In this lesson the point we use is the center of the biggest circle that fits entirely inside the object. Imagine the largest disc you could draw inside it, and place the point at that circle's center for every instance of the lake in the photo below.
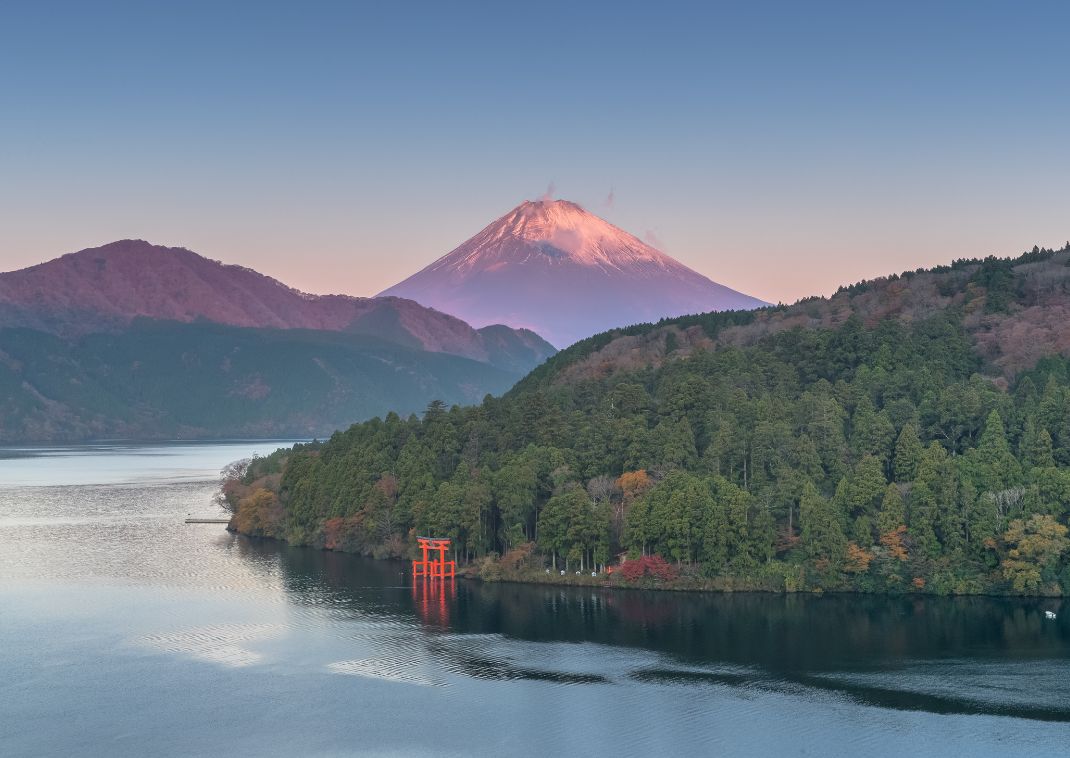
(125, 632)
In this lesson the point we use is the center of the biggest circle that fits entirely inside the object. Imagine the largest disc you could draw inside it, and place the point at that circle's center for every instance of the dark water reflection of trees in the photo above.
(781, 633)
(870, 649)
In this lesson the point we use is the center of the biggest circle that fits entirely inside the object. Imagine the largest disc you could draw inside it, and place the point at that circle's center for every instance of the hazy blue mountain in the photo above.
(172, 380)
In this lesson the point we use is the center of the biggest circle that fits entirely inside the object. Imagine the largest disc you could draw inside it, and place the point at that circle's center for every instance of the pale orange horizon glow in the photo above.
(365, 256)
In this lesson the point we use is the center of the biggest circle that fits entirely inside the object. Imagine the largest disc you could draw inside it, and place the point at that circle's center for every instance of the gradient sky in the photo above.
(779, 148)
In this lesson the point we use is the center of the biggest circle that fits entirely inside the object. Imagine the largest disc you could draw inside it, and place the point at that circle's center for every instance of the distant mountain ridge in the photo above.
(133, 340)
(553, 267)
(107, 287)
(170, 380)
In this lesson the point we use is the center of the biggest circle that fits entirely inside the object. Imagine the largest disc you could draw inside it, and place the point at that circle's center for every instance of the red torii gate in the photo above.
(438, 568)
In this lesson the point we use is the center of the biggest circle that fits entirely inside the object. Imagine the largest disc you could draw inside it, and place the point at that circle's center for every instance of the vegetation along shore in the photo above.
(907, 434)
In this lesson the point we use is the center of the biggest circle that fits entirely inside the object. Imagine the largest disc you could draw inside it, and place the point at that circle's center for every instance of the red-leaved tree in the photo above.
(648, 565)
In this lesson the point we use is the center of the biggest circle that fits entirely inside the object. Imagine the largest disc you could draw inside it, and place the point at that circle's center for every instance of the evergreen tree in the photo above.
(996, 467)
(922, 518)
(675, 444)
(715, 533)
(982, 521)
(822, 528)
(892, 514)
(1036, 447)
(936, 486)
(872, 433)
(908, 452)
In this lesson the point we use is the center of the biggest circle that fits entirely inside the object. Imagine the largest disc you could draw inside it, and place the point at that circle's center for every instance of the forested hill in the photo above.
(163, 379)
(907, 434)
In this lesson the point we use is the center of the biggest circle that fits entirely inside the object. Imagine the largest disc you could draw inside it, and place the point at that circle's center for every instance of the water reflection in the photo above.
(433, 599)
(941, 655)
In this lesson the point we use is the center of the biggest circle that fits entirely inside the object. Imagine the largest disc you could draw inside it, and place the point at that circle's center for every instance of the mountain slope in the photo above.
(909, 434)
(1014, 312)
(554, 268)
(105, 288)
(198, 381)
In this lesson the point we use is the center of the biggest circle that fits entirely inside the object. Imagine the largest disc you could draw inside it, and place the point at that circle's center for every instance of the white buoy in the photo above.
(1049, 614)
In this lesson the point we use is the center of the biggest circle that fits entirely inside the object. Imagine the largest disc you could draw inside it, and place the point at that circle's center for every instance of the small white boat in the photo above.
(1049, 614)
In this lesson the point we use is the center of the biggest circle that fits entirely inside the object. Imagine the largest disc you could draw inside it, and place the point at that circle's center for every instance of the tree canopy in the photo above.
(886, 454)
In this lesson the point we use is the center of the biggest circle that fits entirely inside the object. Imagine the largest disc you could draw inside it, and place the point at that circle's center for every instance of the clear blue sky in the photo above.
(780, 148)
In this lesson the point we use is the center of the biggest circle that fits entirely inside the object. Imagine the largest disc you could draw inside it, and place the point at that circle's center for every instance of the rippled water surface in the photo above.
(124, 631)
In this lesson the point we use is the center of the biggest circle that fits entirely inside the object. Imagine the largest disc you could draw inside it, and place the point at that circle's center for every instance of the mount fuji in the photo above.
(554, 268)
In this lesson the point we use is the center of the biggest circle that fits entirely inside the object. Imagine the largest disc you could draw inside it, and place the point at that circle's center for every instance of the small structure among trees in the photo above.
(430, 565)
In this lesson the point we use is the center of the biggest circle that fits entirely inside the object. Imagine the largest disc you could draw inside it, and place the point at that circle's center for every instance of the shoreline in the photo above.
(715, 586)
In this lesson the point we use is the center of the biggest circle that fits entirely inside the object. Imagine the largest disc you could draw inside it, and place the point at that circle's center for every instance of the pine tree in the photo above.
(982, 520)
(922, 518)
(908, 452)
(892, 514)
(822, 528)
(1036, 447)
(715, 531)
(938, 480)
(675, 443)
(997, 468)
(872, 432)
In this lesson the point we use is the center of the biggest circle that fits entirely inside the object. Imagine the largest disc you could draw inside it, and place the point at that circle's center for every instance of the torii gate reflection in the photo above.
(436, 581)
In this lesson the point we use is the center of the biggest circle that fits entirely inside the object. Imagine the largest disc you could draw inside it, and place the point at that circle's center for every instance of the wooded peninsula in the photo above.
(907, 434)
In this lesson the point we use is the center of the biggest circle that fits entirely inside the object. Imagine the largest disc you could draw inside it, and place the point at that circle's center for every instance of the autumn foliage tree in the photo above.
(1033, 549)
(858, 559)
(259, 514)
(894, 542)
(653, 566)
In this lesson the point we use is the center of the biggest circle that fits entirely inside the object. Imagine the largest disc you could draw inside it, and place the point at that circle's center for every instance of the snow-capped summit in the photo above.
(560, 231)
(555, 268)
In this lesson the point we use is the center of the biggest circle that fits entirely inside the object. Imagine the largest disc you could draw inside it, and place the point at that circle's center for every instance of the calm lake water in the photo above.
(124, 631)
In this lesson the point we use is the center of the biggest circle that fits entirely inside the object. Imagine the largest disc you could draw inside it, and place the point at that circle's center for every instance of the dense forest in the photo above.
(908, 434)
